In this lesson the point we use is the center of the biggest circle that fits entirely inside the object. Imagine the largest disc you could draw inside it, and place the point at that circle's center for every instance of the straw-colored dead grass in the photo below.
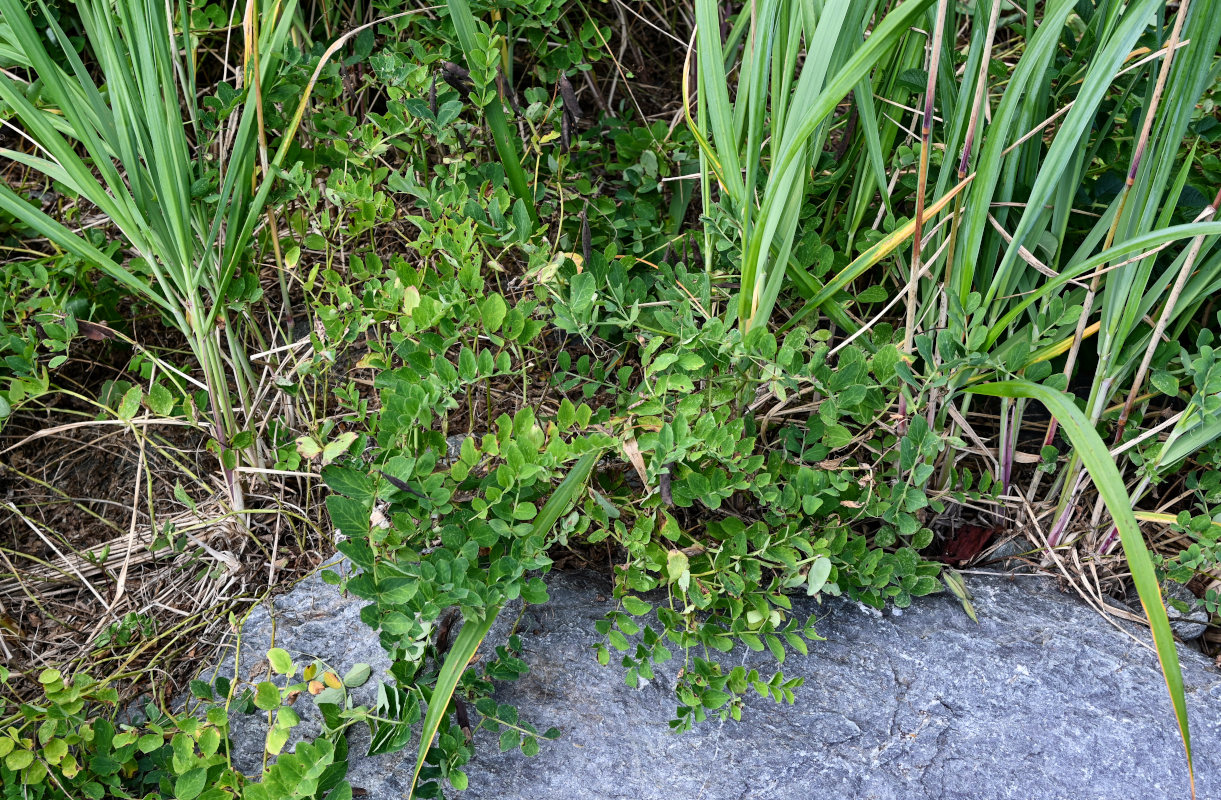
(104, 568)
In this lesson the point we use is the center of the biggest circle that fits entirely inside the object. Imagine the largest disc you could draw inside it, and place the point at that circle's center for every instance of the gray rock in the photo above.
(314, 621)
(1193, 623)
(1042, 699)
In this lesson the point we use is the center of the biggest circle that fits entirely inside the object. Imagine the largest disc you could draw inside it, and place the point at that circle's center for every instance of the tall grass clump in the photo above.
(760, 146)
(1023, 258)
(130, 145)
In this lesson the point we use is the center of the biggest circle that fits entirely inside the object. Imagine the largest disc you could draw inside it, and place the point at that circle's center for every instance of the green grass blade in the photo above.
(1029, 71)
(817, 97)
(1068, 142)
(1146, 241)
(714, 85)
(871, 257)
(1106, 477)
(475, 629)
(57, 85)
(1196, 429)
(565, 494)
(456, 661)
(10, 203)
(874, 161)
(75, 173)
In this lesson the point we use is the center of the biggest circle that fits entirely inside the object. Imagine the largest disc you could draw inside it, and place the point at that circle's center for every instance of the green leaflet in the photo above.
(493, 112)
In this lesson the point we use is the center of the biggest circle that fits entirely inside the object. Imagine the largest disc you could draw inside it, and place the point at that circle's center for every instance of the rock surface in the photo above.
(1042, 699)
(1193, 623)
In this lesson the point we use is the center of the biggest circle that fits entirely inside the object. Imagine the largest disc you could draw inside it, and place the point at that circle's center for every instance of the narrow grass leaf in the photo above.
(476, 628)
(1106, 477)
